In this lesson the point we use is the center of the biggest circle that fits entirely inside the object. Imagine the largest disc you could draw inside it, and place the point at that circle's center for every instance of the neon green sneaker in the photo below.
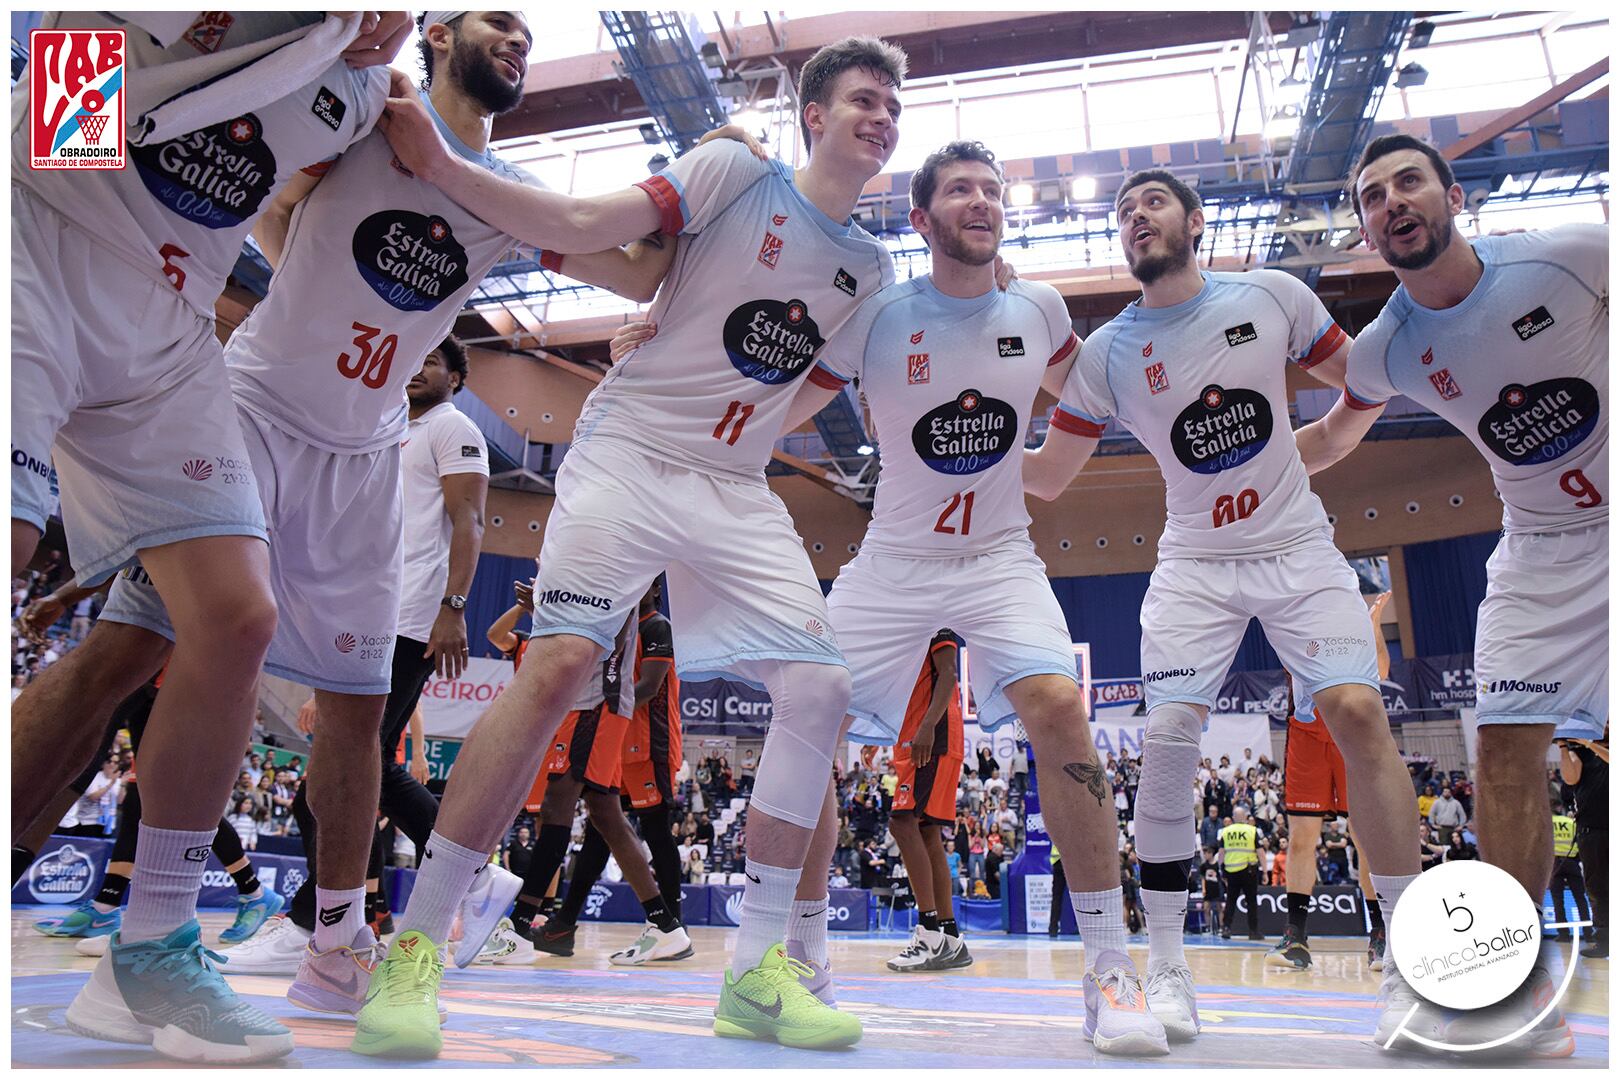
(769, 1002)
(400, 1018)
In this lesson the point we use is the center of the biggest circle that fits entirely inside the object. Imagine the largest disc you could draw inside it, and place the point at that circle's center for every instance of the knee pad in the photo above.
(808, 702)
(1165, 827)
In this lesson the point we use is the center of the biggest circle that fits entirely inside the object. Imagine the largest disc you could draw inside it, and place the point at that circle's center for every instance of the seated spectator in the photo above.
(1460, 850)
(241, 819)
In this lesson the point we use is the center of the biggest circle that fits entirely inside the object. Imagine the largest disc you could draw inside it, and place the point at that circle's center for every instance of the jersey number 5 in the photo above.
(1586, 493)
(966, 503)
(371, 366)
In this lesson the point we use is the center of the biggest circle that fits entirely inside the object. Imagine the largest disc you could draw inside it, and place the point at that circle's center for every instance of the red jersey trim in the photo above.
(1325, 346)
(1356, 403)
(668, 201)
(825, 379)
(1065, 349)
(1077, 425)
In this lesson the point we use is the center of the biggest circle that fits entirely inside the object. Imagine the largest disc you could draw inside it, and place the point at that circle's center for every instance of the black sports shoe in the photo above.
(1598, 950)
(1289, 953)
(556, 938)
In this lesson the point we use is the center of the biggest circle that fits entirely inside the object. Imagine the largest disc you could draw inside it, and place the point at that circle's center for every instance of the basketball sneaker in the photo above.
(819, 982)
(82, 921)
(922, 952)
(954, 955)
(251, 914)
(1395, 999)
(1549, 1038)
(1118, 1020)
(487, 902)
(1377, 942)
(277, 950)
(1290, 953)
(1173, 1000)
(169, 994)
(335, 981)
(555, 937)
(506, 946)
(770, 1002)
(655, 944)
(400, 1018)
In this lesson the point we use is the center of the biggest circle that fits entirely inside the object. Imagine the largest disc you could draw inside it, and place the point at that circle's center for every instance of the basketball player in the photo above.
(928, 765)
(132, 404)
(949, 538)
(1314, 785)
(1507, 338)
(1195, 370)
(667, 471)
(445, 477)
(650, 758)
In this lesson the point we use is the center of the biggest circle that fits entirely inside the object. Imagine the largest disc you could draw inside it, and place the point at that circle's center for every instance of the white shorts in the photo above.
(741, 587)
(335, 562)
(1308, 604)
(1541, 646)
(124, 386)
(887, 608)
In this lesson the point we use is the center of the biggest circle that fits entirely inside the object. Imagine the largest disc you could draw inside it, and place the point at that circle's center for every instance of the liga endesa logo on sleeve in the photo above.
(76, 99)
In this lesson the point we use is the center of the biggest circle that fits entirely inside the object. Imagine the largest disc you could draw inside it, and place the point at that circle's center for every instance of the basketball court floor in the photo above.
(1019, 1006)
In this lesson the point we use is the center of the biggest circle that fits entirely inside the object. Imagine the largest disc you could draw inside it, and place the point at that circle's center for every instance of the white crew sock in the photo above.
(767, 899)
(163, 887)
(807, 924)
(1101, 916)
(442, 881)
(1388, 890)
(1167, 924)
(339, 915)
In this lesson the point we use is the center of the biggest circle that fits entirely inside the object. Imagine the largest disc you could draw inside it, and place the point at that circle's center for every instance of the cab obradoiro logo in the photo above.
(1222, 429)
(413, 261)
(966, 435)
(770, 340)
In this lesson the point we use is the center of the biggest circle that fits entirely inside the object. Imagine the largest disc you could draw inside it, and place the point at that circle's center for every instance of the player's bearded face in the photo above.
(1411, 221)
(474, 68)
(966, 215)
(1171, 250)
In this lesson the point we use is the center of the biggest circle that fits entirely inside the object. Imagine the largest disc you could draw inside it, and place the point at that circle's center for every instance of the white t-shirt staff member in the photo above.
(444, 466)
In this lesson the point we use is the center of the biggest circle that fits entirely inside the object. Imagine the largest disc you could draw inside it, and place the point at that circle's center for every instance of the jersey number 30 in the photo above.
(372, 365)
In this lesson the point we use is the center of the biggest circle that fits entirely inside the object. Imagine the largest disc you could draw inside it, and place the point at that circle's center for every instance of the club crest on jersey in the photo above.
(208, 31)
(771, 341)
(1241, 334)
(967, 434)
(1445, 384)
(1221, 430)
(1158, 382)
(844, 281)
(216, 177)
(1009, 346)
(916, 369)
(779, 220)
(329, 107)
(1528, 326)
(76, 99)
(1540, 422)
(916, 339)
(1147, 350)
(1428, 356)
(770, 250)
(413, 261)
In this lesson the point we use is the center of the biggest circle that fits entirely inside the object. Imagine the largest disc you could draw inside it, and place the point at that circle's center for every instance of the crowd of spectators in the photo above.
(31, 653)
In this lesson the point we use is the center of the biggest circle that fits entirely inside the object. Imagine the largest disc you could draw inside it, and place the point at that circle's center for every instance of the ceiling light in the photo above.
(1084, 188)
(1413, 74)
(1021, 195)
(865, 450)
(1292, 90)
(1421, 33)
(750, 120)
(1284, 123)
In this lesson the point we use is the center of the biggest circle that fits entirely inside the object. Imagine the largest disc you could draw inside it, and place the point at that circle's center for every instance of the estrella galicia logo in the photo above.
(1541, 422)
(967, 435)
(413, 261)
(216, 177)
(1222, 429)
(1528, 326)
(771, 341)
(62, 877)
(1009, 346)
(1241, 334)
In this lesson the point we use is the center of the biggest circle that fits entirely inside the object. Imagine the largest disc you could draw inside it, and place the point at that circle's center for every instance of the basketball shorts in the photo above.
(741, 587)
(335, 563)
(1541, 646)
(120, 384)
(1308, 603)
(887, 608)
(931, 790)
(1313, 771)
(652, 757)
(588, 747)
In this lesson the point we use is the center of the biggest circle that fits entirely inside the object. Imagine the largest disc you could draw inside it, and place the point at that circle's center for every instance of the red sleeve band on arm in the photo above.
(1077, 425)
(668, 201)
(1324, 347)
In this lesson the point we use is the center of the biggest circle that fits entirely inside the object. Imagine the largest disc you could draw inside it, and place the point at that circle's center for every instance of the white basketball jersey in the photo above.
(376, 267)
(181, 209)
(763, 280)
(950, 384)
(1201, 384)
(1521, 367)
